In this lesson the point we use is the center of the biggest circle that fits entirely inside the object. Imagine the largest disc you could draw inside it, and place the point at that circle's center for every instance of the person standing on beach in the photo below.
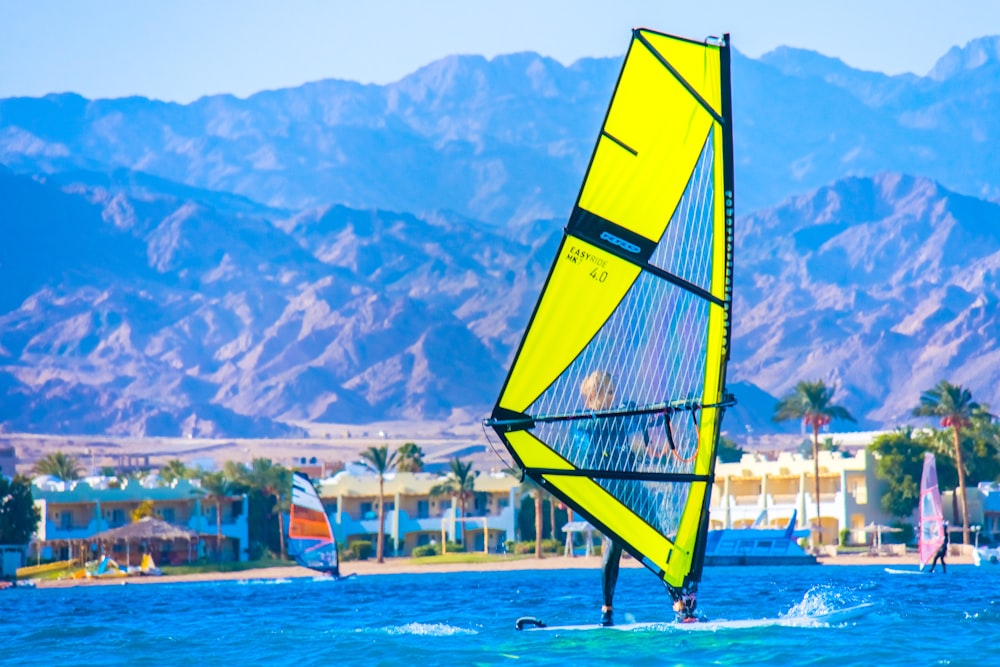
(941, 552)
(606, 438)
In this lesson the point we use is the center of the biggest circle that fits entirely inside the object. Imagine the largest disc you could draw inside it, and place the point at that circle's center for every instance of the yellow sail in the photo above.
(614, 399)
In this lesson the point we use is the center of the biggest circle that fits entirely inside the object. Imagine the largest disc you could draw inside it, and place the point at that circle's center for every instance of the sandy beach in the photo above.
(411, 566)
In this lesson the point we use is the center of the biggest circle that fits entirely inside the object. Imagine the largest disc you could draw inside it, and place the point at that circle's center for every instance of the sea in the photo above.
(468, 618)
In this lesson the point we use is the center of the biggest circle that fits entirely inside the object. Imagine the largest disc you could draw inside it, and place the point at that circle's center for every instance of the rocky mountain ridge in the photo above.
(509, 138)
(234, 267)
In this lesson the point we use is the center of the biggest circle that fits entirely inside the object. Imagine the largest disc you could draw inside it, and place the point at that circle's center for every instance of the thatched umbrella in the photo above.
(147, 528)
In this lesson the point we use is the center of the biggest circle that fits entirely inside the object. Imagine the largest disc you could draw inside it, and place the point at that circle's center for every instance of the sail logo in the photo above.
(620, 242)
(575, 255)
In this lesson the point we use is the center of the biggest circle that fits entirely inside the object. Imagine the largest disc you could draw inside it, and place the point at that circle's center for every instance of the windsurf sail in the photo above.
(614, 398)
(931, 517)
(310, 537)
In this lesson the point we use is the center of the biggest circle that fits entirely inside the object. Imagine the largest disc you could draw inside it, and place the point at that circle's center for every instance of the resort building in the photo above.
(760, 489)
(983, 502)
(769, 490)
(414, 516)
(766, 490)
(75, 512)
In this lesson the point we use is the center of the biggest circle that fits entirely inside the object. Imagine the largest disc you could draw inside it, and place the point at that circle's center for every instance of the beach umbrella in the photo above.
(878, 529)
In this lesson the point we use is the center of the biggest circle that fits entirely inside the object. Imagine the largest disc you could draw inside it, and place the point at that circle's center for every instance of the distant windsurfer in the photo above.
(942, 551)
(606, 438)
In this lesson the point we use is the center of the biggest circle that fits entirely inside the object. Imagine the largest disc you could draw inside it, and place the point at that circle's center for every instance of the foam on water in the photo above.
(428, 630)
(822, 599)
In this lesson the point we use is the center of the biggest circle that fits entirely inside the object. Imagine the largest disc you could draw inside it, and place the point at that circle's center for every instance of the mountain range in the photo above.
(349, 253)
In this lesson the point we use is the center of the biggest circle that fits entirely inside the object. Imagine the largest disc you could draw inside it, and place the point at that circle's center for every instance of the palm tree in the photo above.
(174, 469)
(411, 458)
(65, 467)
(536, 492)
(144, 509)
(956, 409)
(529, 485)
(460, 484)
(273, 480)
(218, 487)
(812, 402)
(380, 461)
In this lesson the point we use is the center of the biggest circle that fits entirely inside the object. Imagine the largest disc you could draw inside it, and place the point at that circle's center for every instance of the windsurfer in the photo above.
(606, 437)
(941, 552)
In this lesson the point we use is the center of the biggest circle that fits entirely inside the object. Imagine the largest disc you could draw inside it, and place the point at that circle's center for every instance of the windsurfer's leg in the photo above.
(611, 556)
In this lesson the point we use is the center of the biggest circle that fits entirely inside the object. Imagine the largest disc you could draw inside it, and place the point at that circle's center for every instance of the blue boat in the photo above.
(757, 546)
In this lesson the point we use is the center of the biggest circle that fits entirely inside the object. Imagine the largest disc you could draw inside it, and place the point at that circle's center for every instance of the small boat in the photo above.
(146, 568)
(310, 537)
(758, 545)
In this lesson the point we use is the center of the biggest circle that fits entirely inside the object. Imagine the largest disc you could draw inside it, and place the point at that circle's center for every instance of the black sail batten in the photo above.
(628, 246)
(694, 93)
(508, 420)
(611, 474)
(620, 143)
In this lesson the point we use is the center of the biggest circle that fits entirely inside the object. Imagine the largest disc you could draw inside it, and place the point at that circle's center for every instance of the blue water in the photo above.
(468, 619)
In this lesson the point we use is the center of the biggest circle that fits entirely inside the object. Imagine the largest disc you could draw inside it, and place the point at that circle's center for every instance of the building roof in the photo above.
(147, 528)
(346, 483)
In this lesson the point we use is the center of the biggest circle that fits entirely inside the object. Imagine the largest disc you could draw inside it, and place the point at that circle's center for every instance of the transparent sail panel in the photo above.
(318, 555)
(653, 346)
(651, 352)
(685, 249)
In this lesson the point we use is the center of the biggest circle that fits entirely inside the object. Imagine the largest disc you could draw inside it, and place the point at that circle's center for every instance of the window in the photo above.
(856, 487)
(168, 514)
(66, 520)
(237, 508)
(423, 509)
(118, 517)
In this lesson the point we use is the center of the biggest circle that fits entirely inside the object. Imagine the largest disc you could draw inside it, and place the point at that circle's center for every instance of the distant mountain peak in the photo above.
(975, 54)
(803, 62)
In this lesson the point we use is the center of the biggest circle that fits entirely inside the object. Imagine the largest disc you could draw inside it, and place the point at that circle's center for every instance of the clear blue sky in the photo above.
(179, 50)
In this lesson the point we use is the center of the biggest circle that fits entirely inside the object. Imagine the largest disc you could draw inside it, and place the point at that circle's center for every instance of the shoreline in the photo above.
(409, 566)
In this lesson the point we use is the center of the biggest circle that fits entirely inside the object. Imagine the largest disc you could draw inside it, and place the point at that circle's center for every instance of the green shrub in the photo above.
(361, 549)
(426, 550)
(548, 546)
(845, 534)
